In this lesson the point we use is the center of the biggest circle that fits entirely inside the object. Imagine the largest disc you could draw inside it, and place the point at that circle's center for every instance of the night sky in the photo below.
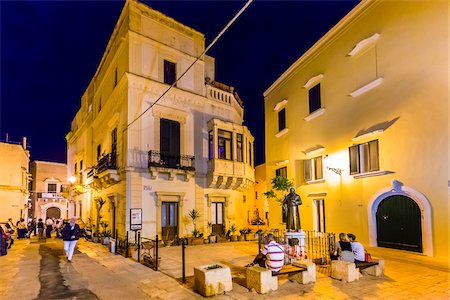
(51, 49)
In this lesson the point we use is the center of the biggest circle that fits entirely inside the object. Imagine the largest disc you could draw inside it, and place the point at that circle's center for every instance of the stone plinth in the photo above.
(307, 276)
(261, 280)
(343, 270)
(210, 282)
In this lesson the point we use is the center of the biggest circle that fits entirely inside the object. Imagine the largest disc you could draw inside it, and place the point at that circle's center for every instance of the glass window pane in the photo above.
(172, 214)
(211, 145)
(282, 119)
(314, 98)
(220, 213)
(164, 215)
(213, 213)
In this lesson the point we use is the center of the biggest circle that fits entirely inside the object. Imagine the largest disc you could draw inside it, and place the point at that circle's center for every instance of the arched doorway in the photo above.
(53, 212)
(399, 224)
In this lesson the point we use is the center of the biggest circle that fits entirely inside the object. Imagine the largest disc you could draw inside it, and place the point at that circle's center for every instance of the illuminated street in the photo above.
(96, 274)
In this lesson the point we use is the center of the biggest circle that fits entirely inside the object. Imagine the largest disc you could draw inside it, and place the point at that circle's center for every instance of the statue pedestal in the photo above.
(296, 245)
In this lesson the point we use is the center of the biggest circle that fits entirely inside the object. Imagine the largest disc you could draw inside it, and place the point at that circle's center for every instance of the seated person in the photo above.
(271, 256)
(342, 249)
(357, 248)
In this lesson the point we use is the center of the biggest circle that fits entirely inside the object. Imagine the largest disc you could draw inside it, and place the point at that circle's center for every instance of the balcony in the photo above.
(105, 173)
(170, 164)
(228, 174)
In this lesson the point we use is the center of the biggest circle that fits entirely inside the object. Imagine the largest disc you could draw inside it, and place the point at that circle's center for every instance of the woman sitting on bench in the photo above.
(342, 249)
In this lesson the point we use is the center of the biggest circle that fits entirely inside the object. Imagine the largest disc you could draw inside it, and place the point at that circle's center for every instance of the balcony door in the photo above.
(217, 214)
(170, 143)
(169, 220)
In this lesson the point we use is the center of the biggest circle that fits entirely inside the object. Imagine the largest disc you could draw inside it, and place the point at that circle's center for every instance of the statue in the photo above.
(290, 205)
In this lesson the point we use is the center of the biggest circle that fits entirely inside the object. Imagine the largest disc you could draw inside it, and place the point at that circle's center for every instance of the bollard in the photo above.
(117, 241)
(183, 260)
(259, 242)
(126, 247)
(156, 253)
(139, 246)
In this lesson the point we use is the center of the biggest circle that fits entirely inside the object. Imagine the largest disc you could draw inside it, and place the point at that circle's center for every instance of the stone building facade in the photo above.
(50, 194)
(359, 123)
(189, 150)
(14, 178)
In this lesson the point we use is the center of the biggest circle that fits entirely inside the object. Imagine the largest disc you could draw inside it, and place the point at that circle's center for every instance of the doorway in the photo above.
(53, 212)
(217, 218)
(399, 224)
(169, 220)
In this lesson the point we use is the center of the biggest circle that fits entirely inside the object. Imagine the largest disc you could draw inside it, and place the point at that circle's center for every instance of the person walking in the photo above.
(70, 235)
(40, 227)
(48, 230)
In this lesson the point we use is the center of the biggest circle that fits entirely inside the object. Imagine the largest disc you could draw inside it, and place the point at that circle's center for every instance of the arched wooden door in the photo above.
(53, 212)
(399, 224)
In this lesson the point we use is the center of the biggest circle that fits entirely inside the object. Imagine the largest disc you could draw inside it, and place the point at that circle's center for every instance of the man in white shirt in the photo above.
(271, 256)
(357, 248)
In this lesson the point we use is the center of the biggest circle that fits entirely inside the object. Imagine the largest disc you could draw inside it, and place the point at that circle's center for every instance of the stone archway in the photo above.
(62, 208)
(420, 199)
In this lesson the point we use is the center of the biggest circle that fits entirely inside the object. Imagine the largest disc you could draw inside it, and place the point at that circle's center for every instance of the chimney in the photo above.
(24, 143)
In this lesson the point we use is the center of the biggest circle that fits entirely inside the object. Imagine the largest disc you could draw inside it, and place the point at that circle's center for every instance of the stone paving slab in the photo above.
(108, 276)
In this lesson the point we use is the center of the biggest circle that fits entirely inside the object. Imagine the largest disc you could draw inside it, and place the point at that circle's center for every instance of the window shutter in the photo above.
(307, 174)
(318, 169)
(373, 156)
(354, 159)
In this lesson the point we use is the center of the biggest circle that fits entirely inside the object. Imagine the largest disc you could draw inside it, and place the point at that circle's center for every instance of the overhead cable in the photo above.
(206, 49)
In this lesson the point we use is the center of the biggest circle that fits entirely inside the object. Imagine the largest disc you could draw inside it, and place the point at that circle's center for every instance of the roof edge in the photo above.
(346, 20)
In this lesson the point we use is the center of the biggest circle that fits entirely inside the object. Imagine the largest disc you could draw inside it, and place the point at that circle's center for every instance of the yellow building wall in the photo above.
(14, 192)
(412, 58)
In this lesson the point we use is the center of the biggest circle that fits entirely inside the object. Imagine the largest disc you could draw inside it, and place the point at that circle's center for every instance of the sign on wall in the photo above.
(136, 218)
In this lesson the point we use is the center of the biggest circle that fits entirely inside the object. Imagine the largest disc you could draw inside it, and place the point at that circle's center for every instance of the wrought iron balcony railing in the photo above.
(165, 160)
(106, 162)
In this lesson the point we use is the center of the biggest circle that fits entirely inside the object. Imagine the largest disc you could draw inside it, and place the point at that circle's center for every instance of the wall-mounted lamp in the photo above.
(72, 179)
(327, 162)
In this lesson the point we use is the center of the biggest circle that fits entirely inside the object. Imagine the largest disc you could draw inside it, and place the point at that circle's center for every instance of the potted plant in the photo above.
(232, 233)
(211, 238)
(197, 236)
(245, 232)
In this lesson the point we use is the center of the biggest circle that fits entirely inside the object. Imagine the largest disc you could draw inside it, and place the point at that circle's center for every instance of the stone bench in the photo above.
(263, 280)
(349, 272)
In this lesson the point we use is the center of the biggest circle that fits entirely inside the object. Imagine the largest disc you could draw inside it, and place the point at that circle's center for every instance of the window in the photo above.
(81, 165)
(313, 169)
(75, 168)
(51, 188)
(225, 144)
(250, 158)
(281, 172)
(211, 145)
(169, 142)
(314, 98)
(99, 151)
(169, 72)
(319, 215)
(282, 119)
(240, 150)
(364, 158)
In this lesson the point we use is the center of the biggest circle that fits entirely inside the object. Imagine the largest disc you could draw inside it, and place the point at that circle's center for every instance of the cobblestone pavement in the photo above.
(38, 270)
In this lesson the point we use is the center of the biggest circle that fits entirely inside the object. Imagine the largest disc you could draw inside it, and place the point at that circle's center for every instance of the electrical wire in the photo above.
(204, 51)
